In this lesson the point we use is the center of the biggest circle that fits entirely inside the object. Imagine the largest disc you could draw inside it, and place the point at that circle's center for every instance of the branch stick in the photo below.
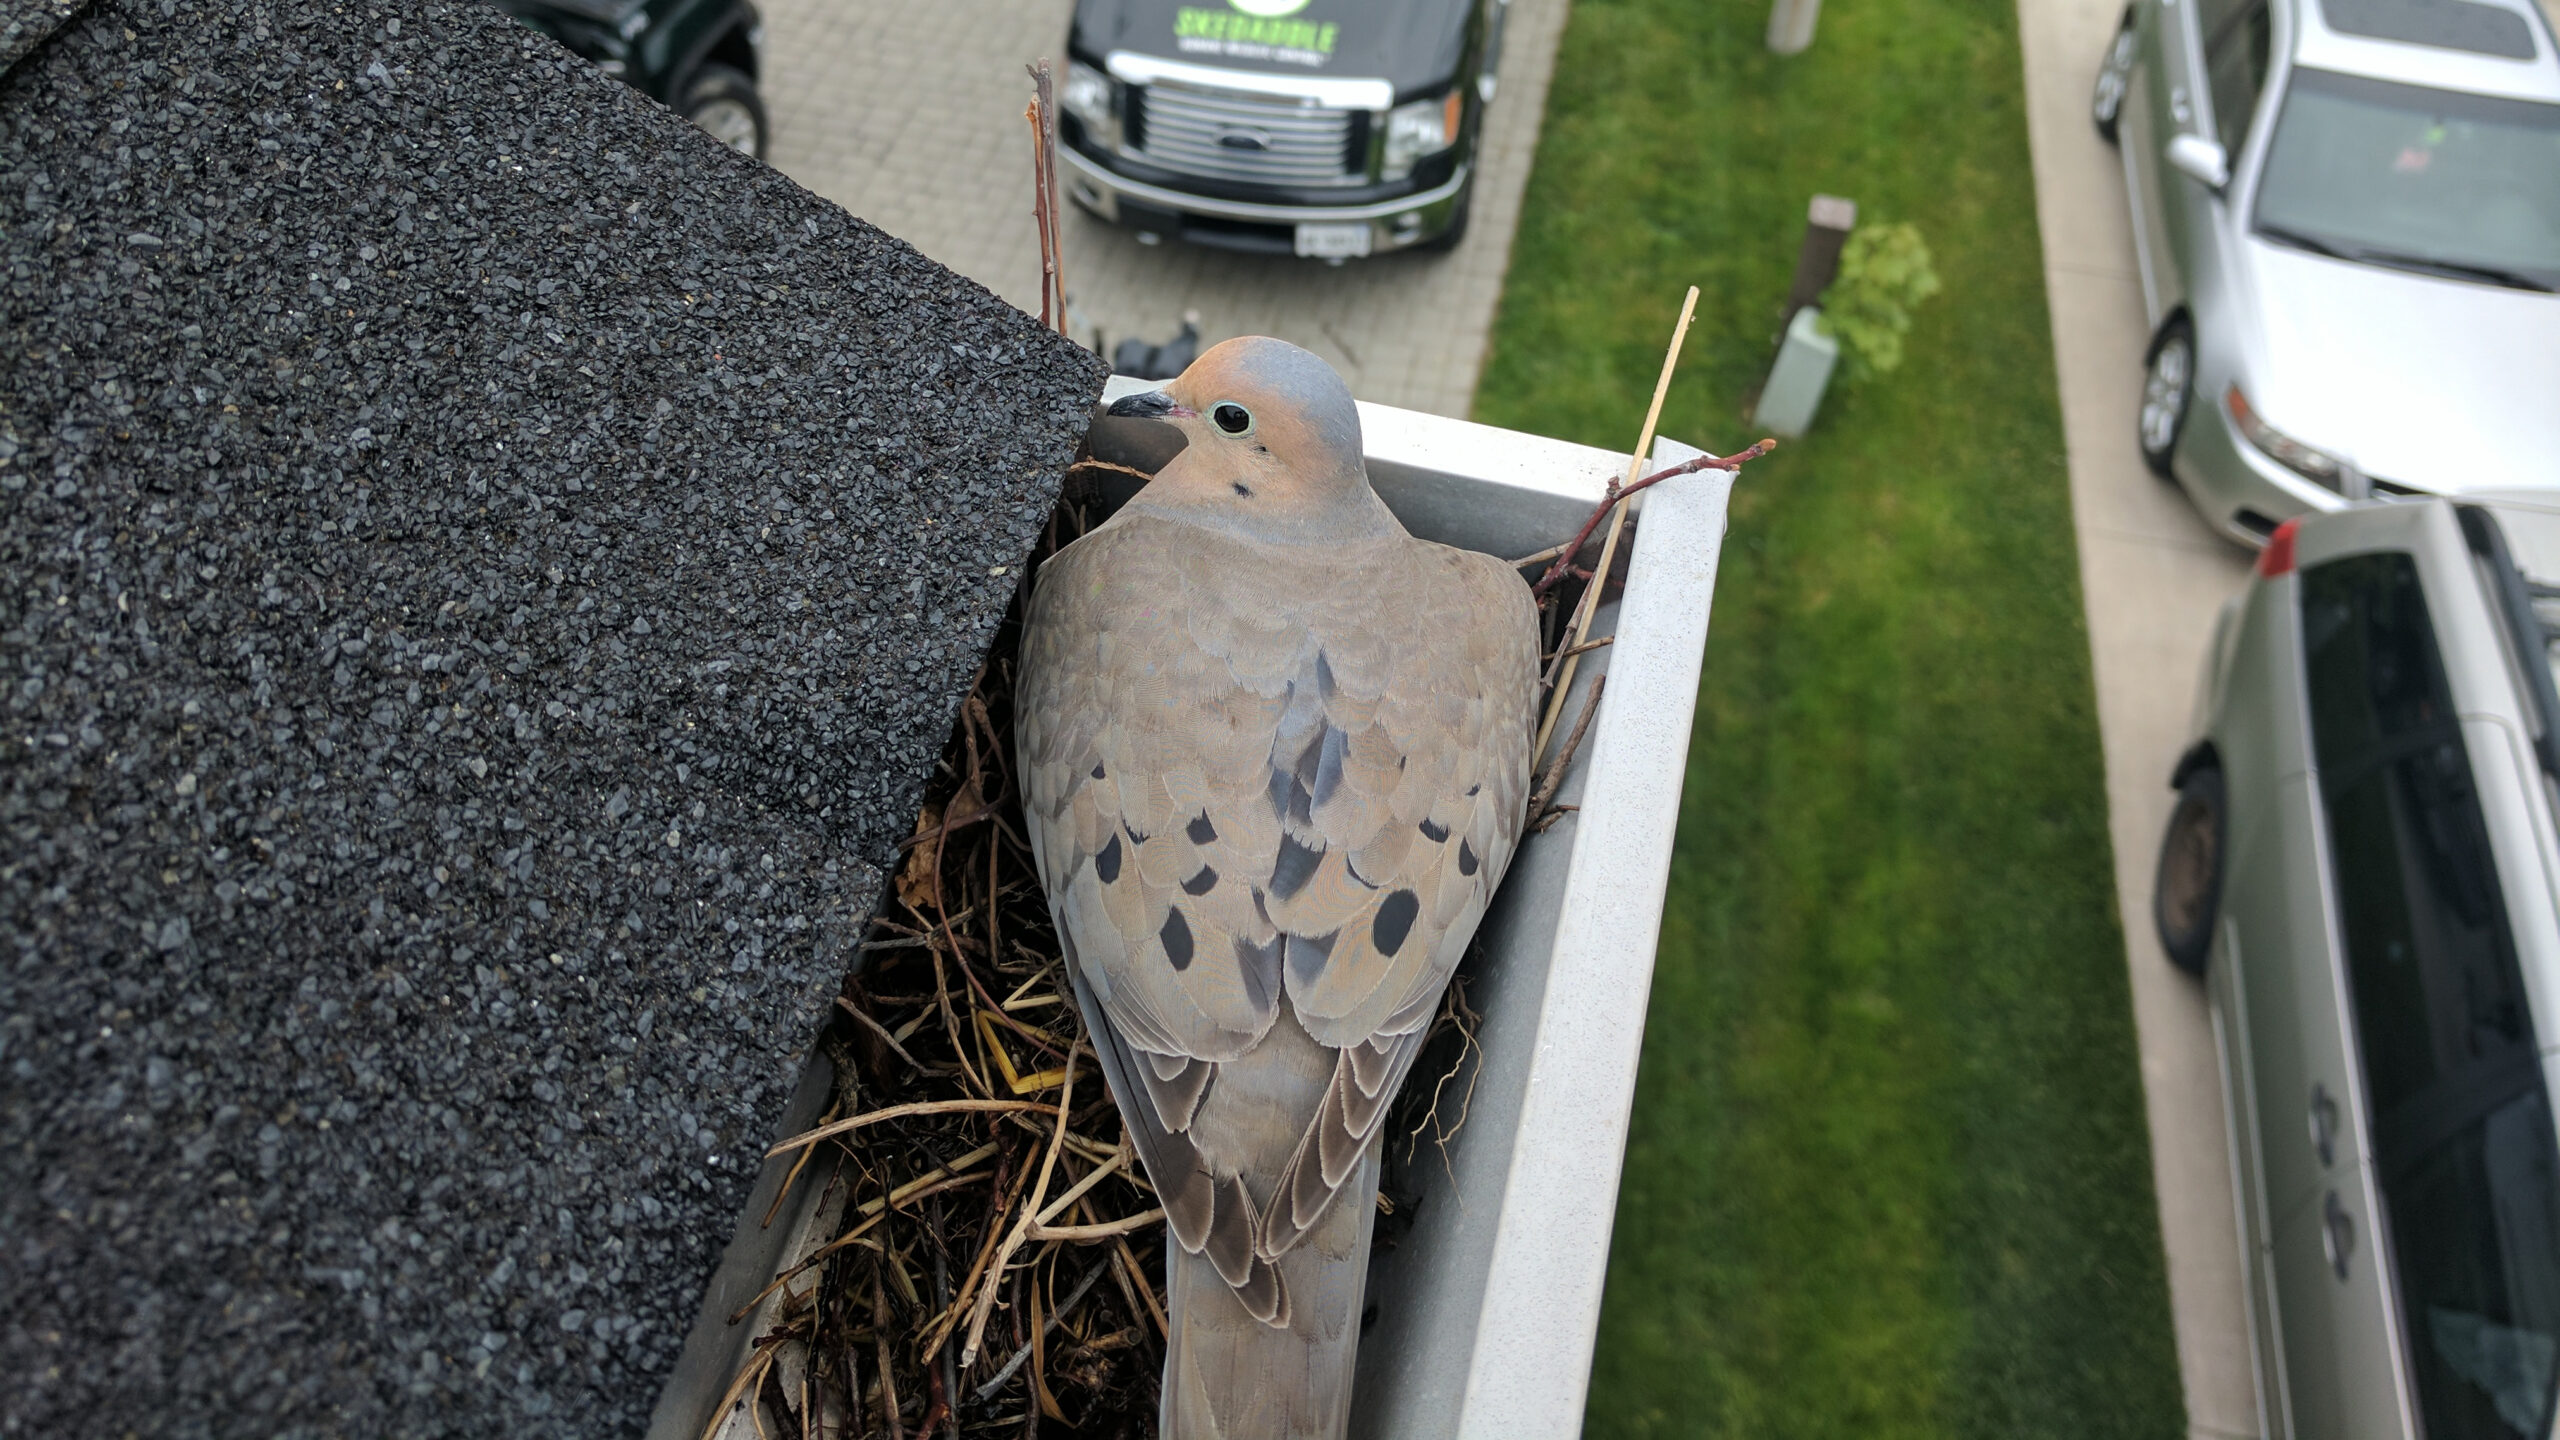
(1092, 1273)
(1103, 1231)
(900, 1112)
(1564, 753)
(1022, 1227)
(1617, 518)
(1101, 1172)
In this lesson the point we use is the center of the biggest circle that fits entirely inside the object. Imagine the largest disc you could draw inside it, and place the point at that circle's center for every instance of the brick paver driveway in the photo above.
(910, 116)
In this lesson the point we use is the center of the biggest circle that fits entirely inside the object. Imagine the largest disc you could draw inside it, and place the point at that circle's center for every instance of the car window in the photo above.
(2462, 1133)
(2415, 177)
(2235, 67)
(2445, 24)
(2476, 1245)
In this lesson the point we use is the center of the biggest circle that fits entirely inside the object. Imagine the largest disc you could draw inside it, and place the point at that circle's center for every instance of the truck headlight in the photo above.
(2292, 454)
(1090, 96)
(1422, 127)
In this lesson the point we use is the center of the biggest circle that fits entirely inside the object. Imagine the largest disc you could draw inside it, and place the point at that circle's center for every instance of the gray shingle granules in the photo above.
(483, 571)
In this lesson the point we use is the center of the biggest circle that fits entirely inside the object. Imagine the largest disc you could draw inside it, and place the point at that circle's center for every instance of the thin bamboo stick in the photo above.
(1617, 520)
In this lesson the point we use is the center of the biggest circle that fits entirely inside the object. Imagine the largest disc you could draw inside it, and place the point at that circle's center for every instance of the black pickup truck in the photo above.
(699, 58)
(1324, 128)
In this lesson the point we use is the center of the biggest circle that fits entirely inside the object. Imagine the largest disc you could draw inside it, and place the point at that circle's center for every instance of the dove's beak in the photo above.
(1148, 405)
(1135, 433)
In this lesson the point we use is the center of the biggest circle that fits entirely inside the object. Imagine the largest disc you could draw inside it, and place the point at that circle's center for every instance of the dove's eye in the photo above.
(1232, 417)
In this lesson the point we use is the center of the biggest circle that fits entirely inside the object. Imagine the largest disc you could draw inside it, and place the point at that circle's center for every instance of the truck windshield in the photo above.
(2415, 178)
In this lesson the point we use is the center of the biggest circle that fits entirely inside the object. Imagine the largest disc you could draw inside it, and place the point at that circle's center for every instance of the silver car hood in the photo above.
(2439, 384)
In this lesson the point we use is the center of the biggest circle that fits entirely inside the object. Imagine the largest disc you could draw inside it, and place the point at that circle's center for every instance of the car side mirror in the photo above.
(2200, 160)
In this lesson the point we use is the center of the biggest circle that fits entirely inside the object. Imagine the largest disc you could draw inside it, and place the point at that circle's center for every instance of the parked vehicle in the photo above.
(2347, 214)
(1325, 128)
(2363, 866)
(699, 58)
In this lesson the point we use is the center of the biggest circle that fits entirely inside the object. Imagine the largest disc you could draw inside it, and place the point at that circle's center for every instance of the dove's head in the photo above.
(1271, 442)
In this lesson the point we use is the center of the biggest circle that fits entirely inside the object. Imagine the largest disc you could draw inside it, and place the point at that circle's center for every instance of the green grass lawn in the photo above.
(1889, 1174)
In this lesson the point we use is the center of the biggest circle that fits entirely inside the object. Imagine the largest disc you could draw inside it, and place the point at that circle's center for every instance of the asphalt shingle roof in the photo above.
(483, 573)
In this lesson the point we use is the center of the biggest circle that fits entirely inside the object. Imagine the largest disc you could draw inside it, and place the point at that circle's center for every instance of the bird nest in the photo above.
(987, 1258)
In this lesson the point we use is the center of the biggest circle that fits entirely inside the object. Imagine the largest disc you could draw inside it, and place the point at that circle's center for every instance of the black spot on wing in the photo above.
(1097, 769)
(1200, 830)
(1307, 955)
(1260, 965)
(1325, 685)
(1436, 834)
(1134, 837)
(1466, 858)
(1295, 867)
(1106, 861)
(1202, 883)
(1394, 921)
(1176, 936)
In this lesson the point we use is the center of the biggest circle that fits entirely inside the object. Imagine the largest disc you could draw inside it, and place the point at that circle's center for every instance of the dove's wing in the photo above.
(1252, 770)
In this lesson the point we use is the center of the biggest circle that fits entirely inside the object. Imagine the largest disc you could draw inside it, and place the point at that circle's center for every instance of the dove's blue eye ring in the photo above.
(1232, 417)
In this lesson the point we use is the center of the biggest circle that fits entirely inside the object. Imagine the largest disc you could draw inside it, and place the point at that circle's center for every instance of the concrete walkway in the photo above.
(2152, 577)
(911, 117)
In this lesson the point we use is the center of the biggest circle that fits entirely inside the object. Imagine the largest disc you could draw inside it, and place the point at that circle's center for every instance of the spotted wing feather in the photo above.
(1259, 773)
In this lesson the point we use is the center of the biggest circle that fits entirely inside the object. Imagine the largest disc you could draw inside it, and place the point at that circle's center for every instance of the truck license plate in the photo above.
(1333, 242)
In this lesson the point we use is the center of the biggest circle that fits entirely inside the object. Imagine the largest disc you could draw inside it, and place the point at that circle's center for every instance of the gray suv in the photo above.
(2347, 216)
(2362, 865)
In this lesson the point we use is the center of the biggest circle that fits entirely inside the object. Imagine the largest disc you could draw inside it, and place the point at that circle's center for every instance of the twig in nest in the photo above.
(1614, 493)
(900, 1112)
(1115, 469)
(888, 1377)
(791, 1179)
(1555, 768)
(1092, 1273)
(1457, 1017)
(1039, 1190)
(1043, 115)
(883, 1032)
(1104, 1231)
(1587, 645)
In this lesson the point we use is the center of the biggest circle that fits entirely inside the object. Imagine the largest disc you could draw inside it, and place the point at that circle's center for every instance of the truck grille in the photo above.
(1248, 137)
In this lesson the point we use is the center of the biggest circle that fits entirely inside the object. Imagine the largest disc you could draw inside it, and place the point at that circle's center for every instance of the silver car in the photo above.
(2363, 866)
(2347, 214)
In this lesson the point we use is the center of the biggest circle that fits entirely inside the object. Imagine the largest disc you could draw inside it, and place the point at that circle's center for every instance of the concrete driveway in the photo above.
(910, 116)
(2152, 576)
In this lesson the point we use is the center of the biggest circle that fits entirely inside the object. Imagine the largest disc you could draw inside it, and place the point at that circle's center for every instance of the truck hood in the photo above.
(2442, 385)
(1415, 45)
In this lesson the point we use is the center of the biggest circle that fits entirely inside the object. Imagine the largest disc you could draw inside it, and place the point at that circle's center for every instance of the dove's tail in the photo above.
(1228, 1376)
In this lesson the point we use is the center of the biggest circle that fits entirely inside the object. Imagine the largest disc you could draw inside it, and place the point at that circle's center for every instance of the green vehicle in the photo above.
(699, 58)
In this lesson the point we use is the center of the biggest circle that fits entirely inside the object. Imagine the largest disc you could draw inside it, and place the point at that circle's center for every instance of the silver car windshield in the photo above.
(2416, 178)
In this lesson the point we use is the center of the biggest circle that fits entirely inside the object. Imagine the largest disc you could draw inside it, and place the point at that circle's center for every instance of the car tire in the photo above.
(725, 104)
(2186, 892)
(2168, 393)
(2115, 75)
(1448, 239)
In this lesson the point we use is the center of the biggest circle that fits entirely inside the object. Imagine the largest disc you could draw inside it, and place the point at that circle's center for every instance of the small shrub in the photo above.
(1884, 275)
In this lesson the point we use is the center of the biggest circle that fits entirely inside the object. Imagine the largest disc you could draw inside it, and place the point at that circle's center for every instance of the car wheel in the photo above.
(2113, 76)
(724, 103)
(1448, 239)
(2168, 390)
(2186, 895)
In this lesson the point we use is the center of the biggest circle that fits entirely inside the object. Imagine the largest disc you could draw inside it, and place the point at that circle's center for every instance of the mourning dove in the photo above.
(1274, 754)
